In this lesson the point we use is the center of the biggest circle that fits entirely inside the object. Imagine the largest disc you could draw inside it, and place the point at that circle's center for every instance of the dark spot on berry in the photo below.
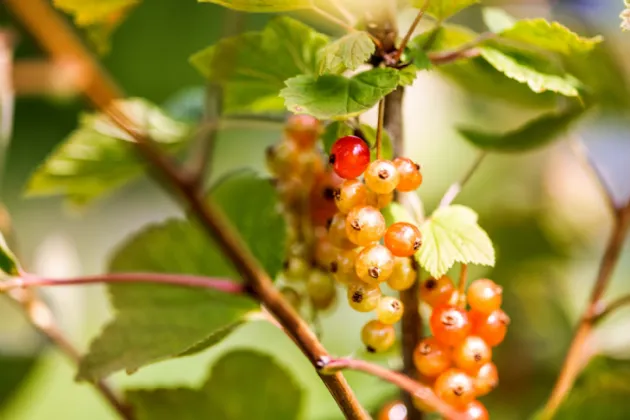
(332, 159)
(383, 174)
(477, 357)
(337, 194)
(417, 244)
(504, 319)
(417, 166)
(425, 349)
(270, 152)
(329, 193)
(285, 264)
(357, 297)
(458, 390)
(374, 272)
(414, 264)
(395, 304)
(334, 267)
(355, 225)
(328, 223)
(370, 349)
(430, 284)
(448, 320)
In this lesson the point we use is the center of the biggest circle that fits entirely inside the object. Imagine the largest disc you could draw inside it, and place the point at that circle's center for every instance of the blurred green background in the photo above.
(545, 214)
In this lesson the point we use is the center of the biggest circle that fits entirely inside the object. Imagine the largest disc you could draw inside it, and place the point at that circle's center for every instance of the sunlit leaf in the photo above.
(262, 6)
(442, 9)
(397, 213)
(346, 53)
(497, 19)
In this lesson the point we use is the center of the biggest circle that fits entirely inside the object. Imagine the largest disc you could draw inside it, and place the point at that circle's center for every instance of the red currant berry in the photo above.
(450, 325)
(349, 157)
(455, 388)
(436, 292)
(303, 130)
(322, 197)
(431, 358)
(471, 354)
(486, 380)
(365, 225)
(381, 176)
(404, 274)
(351, 194)
(363, 297)
(394, 410)
(403, 239)
(389, 310)
(337, 232)
(410, 176)
(374, 264)
(491, 327)
(378, 337)
(484, 296)
(476, 411)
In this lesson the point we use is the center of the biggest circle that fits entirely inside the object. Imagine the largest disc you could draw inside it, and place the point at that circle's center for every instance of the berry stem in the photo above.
(28, 280)
(454, 190)
(461, 287)
(415, 388)
(379, 129)
(59, 40)
(575, 359)
(410, 31)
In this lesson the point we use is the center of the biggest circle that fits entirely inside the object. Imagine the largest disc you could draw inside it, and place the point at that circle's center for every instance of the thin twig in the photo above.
(379, 129)
(52, 33)
(609, 308)
(412, 28)
(454, 190)
(342, 24)
(205, 142)
(461, 287)
(28, 280)
(467, 50)
(418, 390)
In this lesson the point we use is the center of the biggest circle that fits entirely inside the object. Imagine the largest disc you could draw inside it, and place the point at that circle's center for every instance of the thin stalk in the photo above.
(412, 28)
(454, 190)
(610, 308)
(467, 50)
(379, 129)
(461, 287)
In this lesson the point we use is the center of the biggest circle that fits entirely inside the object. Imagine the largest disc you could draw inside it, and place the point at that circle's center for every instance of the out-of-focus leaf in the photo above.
(497, 19)
(369, 135)
(442, 9)
(252, 67)
(346, 53)
(156, 322)
(262, 6)
(334, 131)
(535, 133)
(333, 97)
(397, 213)
(243, 385)
(98, 157)
(452, 235)
(186, 104)
(421, 60)
(8, 262)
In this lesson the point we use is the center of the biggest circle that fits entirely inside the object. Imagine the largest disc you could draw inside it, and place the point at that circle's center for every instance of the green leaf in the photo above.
(99, 157)
(243, 385)
(346, 53)
(397, 213)
(335, 130)
(421, 60)
(8, 262)
(452, 235)
(443, 9)
(369, 135)
(520, 70)
(157, 322)
(497, 20)
(534, 133)
(253, 66)
(262, 6)
(407, 75)
(332, 96)
(551, 36)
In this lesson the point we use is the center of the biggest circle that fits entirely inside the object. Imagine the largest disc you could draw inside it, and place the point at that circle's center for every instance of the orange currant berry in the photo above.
(352, 193)
(471, 354)
(374, 264)
(476, 411)
(490, 327)
(378, 337)
(363, 297)
(365, 225)
(484, 296)
(486, 380)
(403, 239)
(381, 176)
(450, 325)
(303, 130)
(393, 410)
(431, 357)
(404, 274)
(455, 388)
(436, 292)
(389, 310)
(337, 232)
(410, 175)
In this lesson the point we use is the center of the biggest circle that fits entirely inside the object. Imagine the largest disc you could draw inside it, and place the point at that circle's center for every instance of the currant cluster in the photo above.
(457, 359)
(368, 252)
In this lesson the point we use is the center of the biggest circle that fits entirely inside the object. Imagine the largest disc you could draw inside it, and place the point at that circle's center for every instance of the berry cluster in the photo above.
(457, 359)
(368, 251)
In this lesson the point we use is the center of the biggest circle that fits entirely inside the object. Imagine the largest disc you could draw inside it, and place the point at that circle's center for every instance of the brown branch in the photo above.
(28, 280)
(465, 51)
(410, 31)
(51, 31)
(574, 360)
(454, 190)
(412, 387)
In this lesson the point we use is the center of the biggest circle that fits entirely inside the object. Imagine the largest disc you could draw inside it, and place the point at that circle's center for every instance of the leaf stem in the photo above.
(410, 31)
(454, 190)
(28, 280)
(342, 24)
(379, 129)
(414, 388)
(461, 287)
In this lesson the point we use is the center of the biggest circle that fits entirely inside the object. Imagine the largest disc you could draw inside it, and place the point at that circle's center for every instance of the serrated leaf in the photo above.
(550, 36)
(452, 235)
(98, 157)
(407, 75)
(8, 262)
(157, 322)
(253, 66)
(332, 96)
(497, 19)
(262, 6)
(535, 133)
(443, 9)
(346, 53)
(525, 72)
(395, 212)
(269, 392)
(334, 131)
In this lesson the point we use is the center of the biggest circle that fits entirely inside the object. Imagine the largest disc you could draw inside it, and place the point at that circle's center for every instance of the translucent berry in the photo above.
(410, 175)
(403, 239)
(393, 410)
(374, 264)
(404, 274)
(455, 388)
(292, 297)
(437, 292)
(303, 130)
(322, 197)
(379, 200)
(290, 190)
(282, 158)
(321, 289)
(296, 269)
(484, 296)
(431, 357)
(491, 327)
(363, 297)
(471, 354)
(344, 263)
(476, 411)
(349, 157)
(325, 252)
(365, 225)
(486, 380)
(337, 232)
(450, 325)
(381, 176)
(351, 194)
(378, 337)
(389, 310)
